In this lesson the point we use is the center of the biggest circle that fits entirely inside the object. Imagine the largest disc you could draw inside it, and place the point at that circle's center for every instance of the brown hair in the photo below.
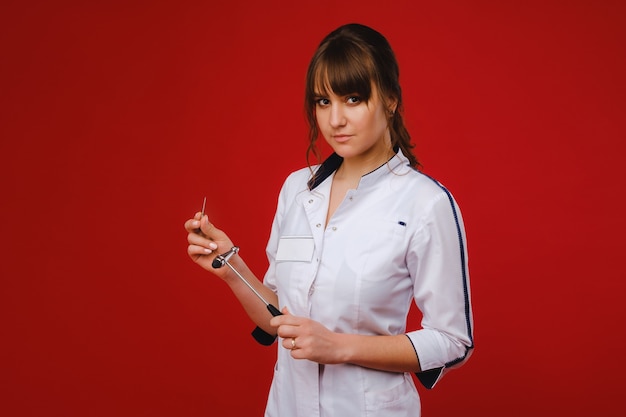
(349, 60)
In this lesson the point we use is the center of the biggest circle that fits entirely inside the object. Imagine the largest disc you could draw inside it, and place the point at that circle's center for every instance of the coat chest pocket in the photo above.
(295, 249)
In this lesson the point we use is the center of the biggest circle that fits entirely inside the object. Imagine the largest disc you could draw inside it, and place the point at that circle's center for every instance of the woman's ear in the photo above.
(392, 105)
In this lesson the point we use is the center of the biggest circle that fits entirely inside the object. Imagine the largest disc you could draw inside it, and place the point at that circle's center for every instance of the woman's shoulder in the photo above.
(297, 180)
(420, 180)
(301, 175)
(424, 188)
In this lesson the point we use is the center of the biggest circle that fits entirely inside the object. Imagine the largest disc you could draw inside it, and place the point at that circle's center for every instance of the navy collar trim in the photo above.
(326, 168)
(330, 165)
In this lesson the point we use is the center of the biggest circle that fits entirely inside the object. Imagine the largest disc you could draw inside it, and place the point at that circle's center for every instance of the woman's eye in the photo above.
(322, 101)
(353, 99)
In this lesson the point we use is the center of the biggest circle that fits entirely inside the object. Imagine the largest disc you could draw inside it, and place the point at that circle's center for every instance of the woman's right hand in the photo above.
(206, 242)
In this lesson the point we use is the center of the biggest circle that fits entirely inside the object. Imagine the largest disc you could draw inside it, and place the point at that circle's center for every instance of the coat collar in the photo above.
(334, 161)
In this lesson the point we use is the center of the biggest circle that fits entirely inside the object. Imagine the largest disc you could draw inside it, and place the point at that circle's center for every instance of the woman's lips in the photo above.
(341, 138)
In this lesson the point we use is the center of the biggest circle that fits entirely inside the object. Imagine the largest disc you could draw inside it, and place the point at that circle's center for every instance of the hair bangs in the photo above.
(343, 70)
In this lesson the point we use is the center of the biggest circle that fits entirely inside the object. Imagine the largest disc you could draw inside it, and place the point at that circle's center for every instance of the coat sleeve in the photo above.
(437, 259)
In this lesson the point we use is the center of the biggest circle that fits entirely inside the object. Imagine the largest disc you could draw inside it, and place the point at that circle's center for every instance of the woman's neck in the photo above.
(354, 168)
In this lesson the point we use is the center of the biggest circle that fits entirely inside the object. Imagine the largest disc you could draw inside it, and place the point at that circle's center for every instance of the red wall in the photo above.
(117, 119)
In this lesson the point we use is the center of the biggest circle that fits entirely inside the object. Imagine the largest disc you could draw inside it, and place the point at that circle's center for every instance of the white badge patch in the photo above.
(295, 249)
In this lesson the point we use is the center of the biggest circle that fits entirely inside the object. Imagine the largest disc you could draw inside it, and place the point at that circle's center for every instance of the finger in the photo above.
(196, 252)
(289, 343)
(297, 353)
(212, 232)
(284, 319)
(200, 240)
(207, 227)
(197, 240)
(287, 330)
(192, 225)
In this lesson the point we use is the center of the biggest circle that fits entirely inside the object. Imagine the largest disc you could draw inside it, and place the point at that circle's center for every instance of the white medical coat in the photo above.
(398, 237)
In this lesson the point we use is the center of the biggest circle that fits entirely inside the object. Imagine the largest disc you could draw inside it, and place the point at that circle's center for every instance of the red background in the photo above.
(117, 118)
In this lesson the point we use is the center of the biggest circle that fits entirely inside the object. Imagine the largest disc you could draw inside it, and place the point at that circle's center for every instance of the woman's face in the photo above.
(352, 127)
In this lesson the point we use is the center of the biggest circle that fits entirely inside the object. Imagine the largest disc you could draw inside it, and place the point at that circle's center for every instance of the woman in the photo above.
(354, 241)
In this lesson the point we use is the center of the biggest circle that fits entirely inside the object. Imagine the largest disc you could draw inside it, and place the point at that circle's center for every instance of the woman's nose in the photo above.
(337, 116)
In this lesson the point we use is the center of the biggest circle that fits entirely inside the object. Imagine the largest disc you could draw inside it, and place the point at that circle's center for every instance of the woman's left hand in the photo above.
(308, 339)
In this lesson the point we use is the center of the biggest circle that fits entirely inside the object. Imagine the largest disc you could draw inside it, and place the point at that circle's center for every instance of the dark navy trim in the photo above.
(429, 378)
(263, 337)
(326, 168)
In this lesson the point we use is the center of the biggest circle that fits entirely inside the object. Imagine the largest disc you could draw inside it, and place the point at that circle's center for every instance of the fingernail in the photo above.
(195, 223)
(213, 245)
(206, 250)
